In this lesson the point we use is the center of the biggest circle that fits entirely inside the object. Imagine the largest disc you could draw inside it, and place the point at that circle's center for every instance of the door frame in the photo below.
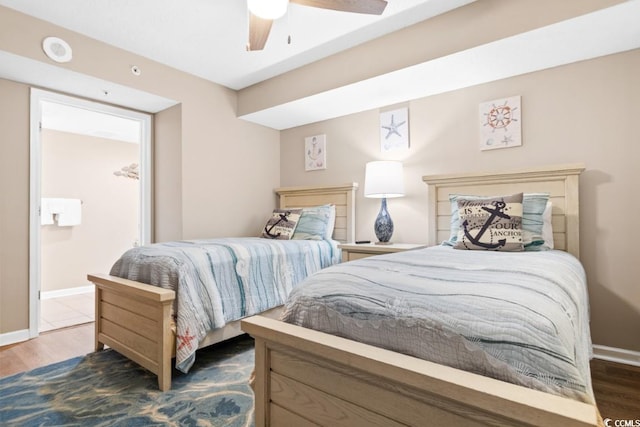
(35, 183)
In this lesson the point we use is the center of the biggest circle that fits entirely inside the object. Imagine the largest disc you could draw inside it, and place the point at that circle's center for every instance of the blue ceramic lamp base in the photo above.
(383, 225)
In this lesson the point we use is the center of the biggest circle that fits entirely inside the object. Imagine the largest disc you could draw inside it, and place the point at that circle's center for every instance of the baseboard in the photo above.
(67, 292)
(617, 355)
(14, 337)
(23, 335)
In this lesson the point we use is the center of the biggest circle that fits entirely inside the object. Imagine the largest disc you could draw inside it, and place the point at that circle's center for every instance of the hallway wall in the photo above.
(81, 167)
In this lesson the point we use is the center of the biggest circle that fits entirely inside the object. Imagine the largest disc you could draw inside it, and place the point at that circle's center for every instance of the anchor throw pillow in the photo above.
(490, 224)
(282, 224)
(537, 233)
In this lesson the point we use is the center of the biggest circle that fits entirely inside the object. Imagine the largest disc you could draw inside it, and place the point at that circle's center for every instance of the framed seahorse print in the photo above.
(315, 152)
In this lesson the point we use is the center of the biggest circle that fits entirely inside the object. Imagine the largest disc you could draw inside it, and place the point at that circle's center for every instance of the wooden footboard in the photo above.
(306, 377)
(135, 320)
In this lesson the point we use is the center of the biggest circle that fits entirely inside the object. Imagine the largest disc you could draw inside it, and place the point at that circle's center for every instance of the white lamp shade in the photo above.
(383, 179)
(268, 9)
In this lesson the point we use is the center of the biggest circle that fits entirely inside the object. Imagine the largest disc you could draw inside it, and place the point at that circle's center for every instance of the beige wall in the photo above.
(167, 182)
(585, 112)
(81, 167)
(14, 206)
(227, 168)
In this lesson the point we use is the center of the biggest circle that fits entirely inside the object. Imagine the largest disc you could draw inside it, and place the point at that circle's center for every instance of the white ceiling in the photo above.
(607, 31)
(67, 118)
(207, 38)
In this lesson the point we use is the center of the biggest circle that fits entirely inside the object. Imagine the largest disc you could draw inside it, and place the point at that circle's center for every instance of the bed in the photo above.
(135, 318)
(307, 377)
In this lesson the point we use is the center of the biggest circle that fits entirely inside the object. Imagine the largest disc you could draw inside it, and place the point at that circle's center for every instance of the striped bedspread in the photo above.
(520, 317)
(222, 280)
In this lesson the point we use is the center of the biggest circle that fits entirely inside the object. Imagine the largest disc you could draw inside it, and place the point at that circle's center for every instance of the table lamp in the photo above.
(383, 179)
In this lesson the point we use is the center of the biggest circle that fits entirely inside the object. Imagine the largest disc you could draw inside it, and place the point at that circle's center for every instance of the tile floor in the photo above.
(56, 313)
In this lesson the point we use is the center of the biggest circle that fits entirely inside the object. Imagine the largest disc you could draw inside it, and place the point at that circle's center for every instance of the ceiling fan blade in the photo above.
(258, 32)
(372, 7)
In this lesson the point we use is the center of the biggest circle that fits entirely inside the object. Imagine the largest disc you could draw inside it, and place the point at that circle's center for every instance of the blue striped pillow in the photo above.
(315, 223)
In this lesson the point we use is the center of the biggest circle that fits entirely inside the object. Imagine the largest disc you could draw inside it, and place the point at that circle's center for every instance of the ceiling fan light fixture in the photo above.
(268, 9)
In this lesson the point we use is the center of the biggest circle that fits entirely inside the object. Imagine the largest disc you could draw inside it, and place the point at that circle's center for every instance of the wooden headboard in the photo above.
(342, 196)
(561, 182)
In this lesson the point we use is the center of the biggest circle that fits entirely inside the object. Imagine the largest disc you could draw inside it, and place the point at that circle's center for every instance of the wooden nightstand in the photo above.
(353, 251)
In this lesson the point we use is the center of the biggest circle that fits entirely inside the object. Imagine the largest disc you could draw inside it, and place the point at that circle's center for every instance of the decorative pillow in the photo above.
(490, 224)
(316, 223)
(282, 224)
(332, 223)
(533, 222)
(547, 229)
(533, 206)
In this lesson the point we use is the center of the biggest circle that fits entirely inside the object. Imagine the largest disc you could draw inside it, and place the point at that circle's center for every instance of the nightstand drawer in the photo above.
(354, 251)
(352, 256)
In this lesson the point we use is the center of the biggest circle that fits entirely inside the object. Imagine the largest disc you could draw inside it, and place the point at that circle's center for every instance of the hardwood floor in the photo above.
(50, 347)
(616, 386)
(617, 390)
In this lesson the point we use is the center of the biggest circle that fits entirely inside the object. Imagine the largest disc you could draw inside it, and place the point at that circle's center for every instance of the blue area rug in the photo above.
(106, 389)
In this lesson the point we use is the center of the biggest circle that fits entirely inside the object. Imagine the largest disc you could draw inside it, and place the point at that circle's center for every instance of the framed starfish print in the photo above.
(394, 130)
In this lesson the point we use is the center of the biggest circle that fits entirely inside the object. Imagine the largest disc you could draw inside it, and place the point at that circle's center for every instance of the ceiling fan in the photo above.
(263, 12)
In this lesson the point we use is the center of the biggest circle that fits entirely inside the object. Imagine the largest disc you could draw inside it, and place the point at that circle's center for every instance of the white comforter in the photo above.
(519, 317)
(221, 280)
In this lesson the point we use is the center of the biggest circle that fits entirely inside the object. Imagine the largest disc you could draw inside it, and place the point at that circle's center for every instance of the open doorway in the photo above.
(90, 200)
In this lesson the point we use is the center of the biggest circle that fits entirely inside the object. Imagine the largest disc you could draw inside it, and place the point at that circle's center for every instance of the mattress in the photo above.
(520, 317)
(222, 280)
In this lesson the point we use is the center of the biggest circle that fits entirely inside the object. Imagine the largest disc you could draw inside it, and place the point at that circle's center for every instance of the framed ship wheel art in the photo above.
(500, 123)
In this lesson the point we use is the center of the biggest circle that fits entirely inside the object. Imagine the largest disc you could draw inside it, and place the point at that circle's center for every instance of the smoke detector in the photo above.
(57, 49)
